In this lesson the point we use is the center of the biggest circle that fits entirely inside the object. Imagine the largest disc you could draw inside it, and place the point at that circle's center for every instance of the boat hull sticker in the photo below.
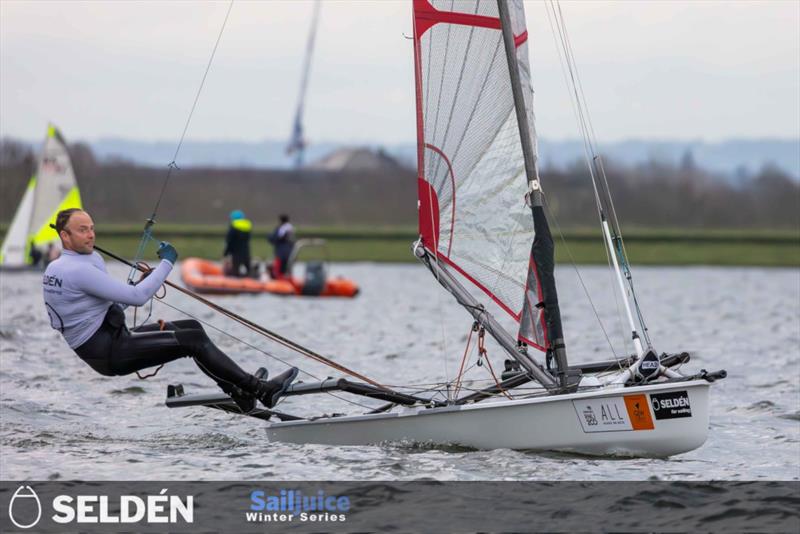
(639, 412)
(671, 405)
(608, 414)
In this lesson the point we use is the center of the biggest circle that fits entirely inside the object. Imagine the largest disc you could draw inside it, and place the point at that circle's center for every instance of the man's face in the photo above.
(78, 234)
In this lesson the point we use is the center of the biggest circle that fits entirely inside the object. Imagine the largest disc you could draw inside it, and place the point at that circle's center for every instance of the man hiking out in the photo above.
(85, 304)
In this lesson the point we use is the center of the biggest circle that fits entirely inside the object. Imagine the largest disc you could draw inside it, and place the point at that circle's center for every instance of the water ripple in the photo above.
(60, 420)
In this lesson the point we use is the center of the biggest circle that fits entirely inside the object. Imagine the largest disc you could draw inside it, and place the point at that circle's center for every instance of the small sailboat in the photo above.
(53, 188)
(297, 142)
(485, 237)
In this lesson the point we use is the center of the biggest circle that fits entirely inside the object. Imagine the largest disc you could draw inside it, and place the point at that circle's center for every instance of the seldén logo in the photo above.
(102, 509)
(23, 502)
(672, 405)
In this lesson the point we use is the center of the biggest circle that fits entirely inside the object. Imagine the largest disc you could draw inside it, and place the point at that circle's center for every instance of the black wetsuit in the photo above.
(115, 350)
(81, 299)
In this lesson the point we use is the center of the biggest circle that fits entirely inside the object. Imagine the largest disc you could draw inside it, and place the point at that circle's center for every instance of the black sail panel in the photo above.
(541, 316)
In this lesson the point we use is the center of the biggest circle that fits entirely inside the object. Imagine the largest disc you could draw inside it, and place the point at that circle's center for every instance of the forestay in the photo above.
(472, 180)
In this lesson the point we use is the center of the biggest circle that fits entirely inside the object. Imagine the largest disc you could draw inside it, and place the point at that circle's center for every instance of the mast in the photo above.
(637, 343)
(297, 143)
(541, 271)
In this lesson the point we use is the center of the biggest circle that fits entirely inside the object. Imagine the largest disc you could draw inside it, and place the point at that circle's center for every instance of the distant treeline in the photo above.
(647, 195)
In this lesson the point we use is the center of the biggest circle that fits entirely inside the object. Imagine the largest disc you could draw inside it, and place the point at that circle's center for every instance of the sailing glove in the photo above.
(167, 252)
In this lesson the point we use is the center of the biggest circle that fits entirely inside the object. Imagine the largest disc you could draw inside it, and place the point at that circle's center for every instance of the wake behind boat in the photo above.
(484, 235)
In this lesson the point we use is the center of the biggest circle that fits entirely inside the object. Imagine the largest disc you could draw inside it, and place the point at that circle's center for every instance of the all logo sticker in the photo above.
(671, 405)
(607, 414)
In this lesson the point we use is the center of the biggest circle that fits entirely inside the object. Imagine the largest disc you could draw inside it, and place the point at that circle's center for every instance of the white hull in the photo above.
(599, 422)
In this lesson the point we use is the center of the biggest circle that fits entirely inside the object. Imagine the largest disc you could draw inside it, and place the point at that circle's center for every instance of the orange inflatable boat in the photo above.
(204, 276)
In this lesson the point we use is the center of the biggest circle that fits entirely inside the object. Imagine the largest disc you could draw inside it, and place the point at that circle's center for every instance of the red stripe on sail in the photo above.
(533, 309)
(465, 274)
(428, 209)
(495, 298)
(420, 118)
(453, 185)
(540, 296)
(428, 214)
(426, 16)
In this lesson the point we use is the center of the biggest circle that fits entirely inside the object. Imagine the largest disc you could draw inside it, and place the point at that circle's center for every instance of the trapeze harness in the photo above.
(84, 304)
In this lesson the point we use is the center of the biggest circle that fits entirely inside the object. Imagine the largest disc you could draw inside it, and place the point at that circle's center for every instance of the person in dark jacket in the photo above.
(237, 245)
(35, 255)
(282, 239)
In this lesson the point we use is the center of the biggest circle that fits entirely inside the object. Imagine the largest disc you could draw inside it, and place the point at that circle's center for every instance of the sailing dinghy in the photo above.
(484, 234)
(53, 188)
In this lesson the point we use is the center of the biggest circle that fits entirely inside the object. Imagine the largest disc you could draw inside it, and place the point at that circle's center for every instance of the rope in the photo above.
(161, 326)
(483, 353)
(601, 173)
(257, 349)
(147, 232)
(145, 269)
(551, 216)
(581, 111)
(172, 164)
(255, 327)
(457, 387)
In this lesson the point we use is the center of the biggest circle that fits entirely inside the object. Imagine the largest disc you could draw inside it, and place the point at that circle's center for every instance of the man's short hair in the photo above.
(62, 218)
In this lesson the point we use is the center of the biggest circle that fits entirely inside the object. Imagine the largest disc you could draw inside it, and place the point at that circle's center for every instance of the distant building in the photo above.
(356, 159)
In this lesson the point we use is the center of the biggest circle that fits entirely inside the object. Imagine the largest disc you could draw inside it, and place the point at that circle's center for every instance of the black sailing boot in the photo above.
(244, 400)
(269, 391)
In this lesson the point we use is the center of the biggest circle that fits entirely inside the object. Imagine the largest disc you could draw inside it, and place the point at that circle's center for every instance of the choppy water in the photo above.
(62, 421)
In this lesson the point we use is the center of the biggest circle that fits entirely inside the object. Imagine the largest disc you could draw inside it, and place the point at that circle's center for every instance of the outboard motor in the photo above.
(315, 278)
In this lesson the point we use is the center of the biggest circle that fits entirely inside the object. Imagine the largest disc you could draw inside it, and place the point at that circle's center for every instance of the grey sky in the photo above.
(655, 70)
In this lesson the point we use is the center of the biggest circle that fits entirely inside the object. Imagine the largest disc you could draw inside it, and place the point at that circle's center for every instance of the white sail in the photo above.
(52, 189)
(472, 180)
(15, 245)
